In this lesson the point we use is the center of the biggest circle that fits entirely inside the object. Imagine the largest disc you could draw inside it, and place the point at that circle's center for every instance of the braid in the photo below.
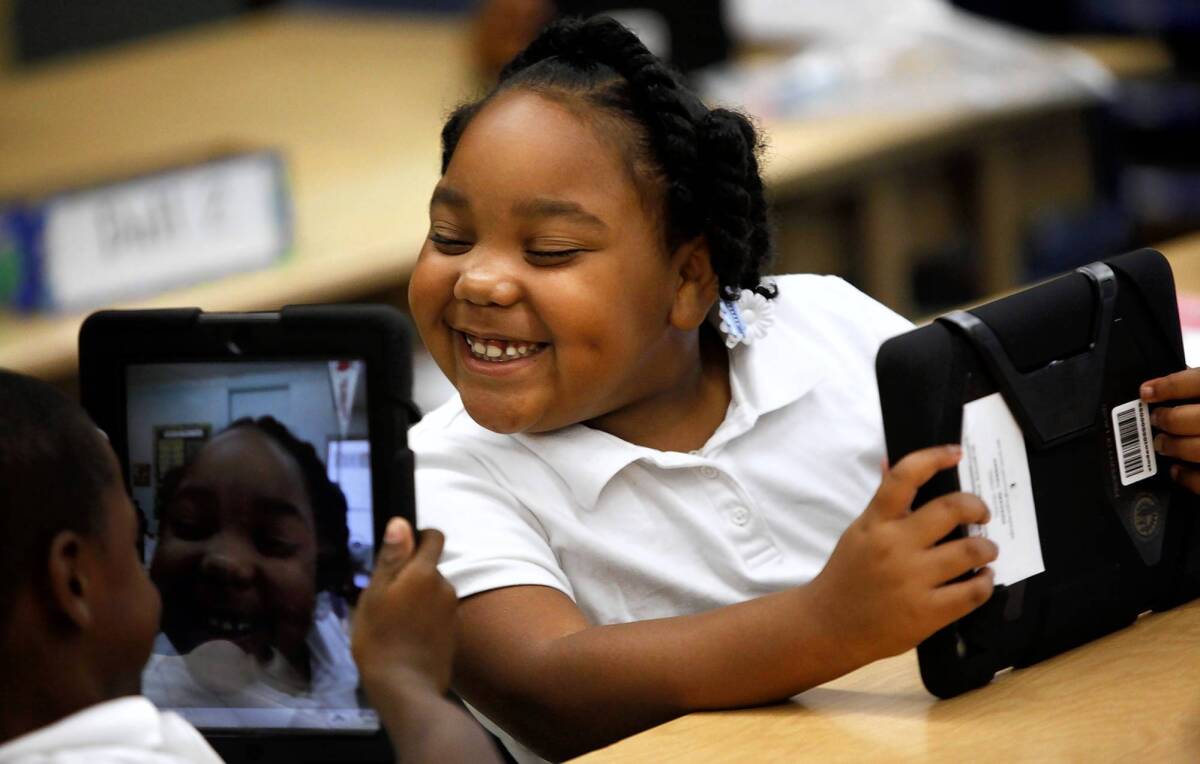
(737, 228)
(704, 161)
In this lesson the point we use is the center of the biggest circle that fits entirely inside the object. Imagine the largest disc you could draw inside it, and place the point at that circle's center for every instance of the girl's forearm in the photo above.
(424, 726)
(596, 685)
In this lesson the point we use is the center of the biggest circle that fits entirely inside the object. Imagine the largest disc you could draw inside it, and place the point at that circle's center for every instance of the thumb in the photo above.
(398, 546)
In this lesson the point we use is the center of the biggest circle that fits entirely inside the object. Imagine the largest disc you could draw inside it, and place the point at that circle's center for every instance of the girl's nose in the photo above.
(484, 281)
(228, 563)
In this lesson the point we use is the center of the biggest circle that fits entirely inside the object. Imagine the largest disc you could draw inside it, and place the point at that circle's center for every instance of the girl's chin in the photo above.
(498, 422)
(497, 415)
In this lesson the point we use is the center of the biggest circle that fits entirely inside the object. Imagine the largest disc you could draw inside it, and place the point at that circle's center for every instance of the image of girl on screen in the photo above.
(256, 577)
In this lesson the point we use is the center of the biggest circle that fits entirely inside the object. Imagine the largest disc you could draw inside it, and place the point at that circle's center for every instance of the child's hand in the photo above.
(404, 624)
(1179, 425)
(885, 587)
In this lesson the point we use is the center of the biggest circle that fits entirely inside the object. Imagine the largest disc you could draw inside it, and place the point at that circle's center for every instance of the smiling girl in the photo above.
(660, 478)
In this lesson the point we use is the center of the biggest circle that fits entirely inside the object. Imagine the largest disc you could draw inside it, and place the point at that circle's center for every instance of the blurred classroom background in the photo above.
(933, 153)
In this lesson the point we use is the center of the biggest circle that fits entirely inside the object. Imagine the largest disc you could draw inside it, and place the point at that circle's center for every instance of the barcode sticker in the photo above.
(1135, 447)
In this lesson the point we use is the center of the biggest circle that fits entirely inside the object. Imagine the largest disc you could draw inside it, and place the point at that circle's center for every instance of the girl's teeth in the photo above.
(499, 352)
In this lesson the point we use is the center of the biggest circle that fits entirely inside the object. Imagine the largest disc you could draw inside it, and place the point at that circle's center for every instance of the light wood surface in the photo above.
(356, 105)
(1131, 696)
(1184, 254)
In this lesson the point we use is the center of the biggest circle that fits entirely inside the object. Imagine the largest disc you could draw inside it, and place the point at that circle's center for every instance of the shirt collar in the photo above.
(585, 458)
(776, 370)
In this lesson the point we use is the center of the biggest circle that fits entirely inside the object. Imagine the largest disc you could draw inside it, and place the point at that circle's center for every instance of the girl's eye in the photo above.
(449, 246)
(553, 254)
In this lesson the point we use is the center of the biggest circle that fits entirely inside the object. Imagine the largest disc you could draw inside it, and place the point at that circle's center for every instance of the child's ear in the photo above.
(69, 582)
(698, 284)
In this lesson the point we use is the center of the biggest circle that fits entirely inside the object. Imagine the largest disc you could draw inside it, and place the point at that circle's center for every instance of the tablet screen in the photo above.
(253, 482)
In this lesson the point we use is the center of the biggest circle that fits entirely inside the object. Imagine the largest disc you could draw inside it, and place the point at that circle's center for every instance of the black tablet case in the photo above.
(109, 340)
(1063, 354)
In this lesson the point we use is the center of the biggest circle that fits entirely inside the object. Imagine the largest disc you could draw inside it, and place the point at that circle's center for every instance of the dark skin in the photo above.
(81, 631)
(403, 645)
(1178, 423)
(236, 559)
(615, 323)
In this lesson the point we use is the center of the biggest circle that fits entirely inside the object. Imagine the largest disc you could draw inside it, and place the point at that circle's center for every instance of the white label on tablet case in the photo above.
(995, 468)
(1134, 443)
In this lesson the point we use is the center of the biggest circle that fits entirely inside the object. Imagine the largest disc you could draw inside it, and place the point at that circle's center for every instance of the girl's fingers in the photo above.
(953, 601)
(948, 561)
(1181, 384)
(1177, 420)
(1186, 449)
(899, 486)
(1187, 477)
(933, 521)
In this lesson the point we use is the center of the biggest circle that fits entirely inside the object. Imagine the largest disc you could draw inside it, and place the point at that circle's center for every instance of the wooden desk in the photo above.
(356, 104)
(1131, 696)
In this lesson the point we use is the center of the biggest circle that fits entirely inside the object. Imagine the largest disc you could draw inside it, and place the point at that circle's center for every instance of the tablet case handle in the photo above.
(1060, 399)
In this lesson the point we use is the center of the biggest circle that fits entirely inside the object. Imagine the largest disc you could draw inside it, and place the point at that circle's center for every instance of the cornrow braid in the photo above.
(704, 161)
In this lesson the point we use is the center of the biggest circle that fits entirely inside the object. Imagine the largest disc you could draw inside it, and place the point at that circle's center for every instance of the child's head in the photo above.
(252, 529)
(76, 607)
(591, 211)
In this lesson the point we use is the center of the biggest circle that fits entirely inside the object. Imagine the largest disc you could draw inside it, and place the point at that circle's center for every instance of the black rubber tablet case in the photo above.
(1063, 354)
(109, 341)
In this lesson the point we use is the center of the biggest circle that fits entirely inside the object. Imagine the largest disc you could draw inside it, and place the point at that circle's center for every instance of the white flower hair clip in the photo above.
(745, 320)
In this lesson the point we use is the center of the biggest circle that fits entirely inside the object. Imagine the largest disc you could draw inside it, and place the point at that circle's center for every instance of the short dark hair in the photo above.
(53, 475)
(703, 161)
(335, 570)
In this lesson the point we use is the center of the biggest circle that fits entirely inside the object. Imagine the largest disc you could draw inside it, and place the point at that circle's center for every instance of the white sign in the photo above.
(995, 467)
(146, 235)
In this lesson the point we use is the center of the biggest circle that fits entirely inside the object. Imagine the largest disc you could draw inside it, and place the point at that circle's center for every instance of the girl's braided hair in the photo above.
(703, 162)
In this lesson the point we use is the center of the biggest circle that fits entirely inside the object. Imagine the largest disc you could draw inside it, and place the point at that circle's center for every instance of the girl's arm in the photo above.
(530, 660)
(403, 643)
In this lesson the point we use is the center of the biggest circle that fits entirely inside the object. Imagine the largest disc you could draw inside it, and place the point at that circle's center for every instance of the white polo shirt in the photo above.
(127, 730)
(630, 533)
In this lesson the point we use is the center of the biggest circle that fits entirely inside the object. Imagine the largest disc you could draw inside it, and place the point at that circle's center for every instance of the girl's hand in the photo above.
(403, 633)
(886, 586)
(1179, 425)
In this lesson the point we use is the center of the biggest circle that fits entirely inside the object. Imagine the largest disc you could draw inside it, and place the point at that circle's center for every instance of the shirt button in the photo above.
(740, 516)
(708, 472)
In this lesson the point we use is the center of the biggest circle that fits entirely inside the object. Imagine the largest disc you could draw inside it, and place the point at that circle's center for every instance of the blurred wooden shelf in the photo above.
(356, 103)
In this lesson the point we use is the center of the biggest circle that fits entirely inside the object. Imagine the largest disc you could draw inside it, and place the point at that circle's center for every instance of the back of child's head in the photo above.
(54, 472)
(699, 164)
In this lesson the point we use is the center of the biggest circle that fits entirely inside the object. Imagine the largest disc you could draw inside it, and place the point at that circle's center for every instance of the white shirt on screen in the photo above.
(219, 690)
(630, 533)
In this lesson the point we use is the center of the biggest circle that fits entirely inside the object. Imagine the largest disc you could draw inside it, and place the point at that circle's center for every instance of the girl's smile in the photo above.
(494, 357)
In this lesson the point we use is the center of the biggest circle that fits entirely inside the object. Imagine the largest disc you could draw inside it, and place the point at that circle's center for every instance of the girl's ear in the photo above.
(698, 285)
(70, 590)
